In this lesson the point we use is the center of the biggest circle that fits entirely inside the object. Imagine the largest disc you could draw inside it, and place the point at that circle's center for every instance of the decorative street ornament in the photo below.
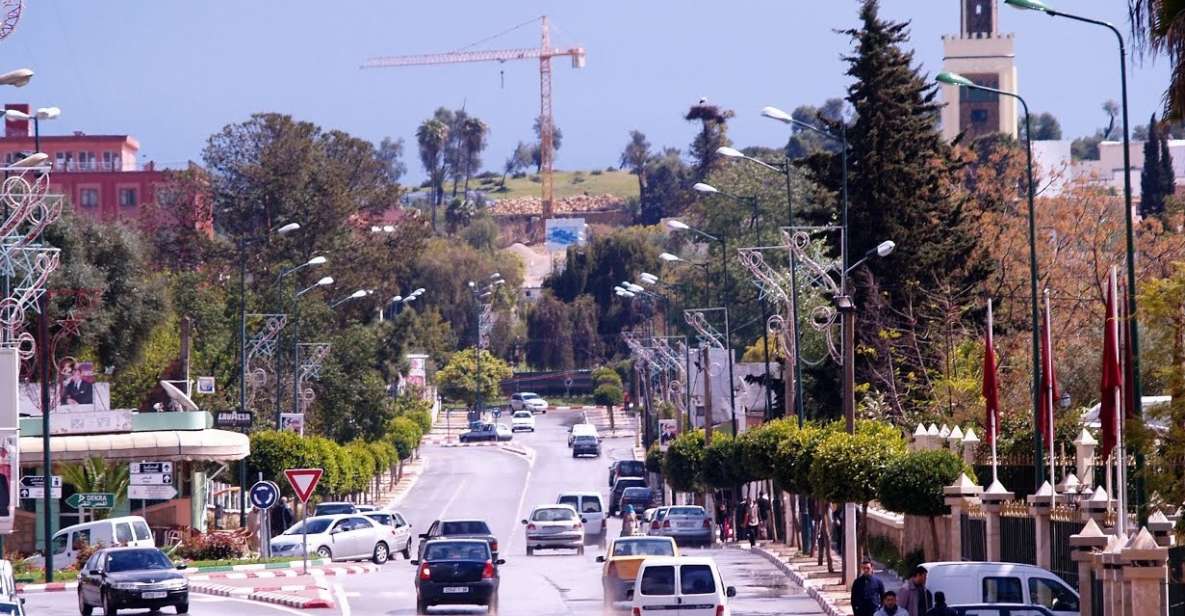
(707, 333)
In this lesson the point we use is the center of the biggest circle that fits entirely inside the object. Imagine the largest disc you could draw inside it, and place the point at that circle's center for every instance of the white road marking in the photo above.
(518, 513)
(278, 608)
(342, 603)
(452, 499)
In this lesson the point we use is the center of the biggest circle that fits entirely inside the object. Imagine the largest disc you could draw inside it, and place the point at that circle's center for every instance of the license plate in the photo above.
(154, 594)
(455, 589)
(686, 524)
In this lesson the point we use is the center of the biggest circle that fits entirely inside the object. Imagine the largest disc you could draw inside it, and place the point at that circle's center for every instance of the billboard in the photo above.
(293, 422)
(564, 232)
(668, 429)
(721, 401)
(80, 403)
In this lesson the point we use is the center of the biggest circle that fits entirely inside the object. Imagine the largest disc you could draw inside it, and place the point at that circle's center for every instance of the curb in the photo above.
(50, 587)
(524, 451)
(813, 592)
(292, 564)
(251, 575)
(300, 603)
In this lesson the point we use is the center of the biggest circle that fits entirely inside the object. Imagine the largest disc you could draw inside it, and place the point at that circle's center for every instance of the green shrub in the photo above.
(759, 446)
(654, 458)
(723, 466)
(847, 468)
(595, 172)
(608, 395)
(913, 483)
(405, 436)
(683, 463)
(795, 454)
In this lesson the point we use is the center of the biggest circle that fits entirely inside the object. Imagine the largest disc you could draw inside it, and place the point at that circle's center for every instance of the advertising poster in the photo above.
(293, 422)
(668, 429)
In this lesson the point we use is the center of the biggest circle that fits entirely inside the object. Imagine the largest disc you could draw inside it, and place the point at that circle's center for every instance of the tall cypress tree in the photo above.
(1152, 185)
(902, 180)
(1168, 177)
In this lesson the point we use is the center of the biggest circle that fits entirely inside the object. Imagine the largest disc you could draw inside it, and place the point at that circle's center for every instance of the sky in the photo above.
(172, 73)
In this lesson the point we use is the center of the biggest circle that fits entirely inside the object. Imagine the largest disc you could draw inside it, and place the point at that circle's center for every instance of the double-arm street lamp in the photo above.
(672, 258)
(481, 293)
(678, 225)
(359, 294)
(326, 280)
(400, 300)
(1132, 323)
(954, 79)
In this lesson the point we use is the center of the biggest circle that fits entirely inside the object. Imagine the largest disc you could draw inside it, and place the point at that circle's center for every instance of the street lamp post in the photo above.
(324, 281)
(670, 258)
(955, 79)
(482, 292)
(313, 262)
(1132, 325)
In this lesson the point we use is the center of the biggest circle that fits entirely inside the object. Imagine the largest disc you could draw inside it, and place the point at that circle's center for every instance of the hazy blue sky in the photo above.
(173, 72)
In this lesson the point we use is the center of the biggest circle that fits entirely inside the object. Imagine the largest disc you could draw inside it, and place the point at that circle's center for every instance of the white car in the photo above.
(522, 420)
(400, 530)
(554, 527)
(691, 586)
(528, 401)
(338, 537)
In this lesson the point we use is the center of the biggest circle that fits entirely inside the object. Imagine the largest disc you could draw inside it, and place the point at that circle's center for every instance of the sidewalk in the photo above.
(392, 496)
(825, 588)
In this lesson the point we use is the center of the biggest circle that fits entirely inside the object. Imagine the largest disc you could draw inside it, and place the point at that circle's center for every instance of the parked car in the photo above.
(591, 507)
(690, 586)
(554, 527)
(364, 508)
(460, 529)
(641, 498)
(456, 572)
(131, 578)
(618, 487)
(585, 445)
(626, 468)
(582, 429)
(334, 508)
(652, 518)
(124, 531)
(621, 563)
(686, 524)
(339, 537)
(400, 529)
(529, 401)
(481, 432)
(522, 420)
(1000, 609)
(967, 583)
(504, 432)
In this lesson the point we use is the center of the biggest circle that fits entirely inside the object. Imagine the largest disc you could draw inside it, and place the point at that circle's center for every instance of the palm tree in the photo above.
(635, 157)
(1158, 26)
(97, 475)
(431, 136)
(473, 141)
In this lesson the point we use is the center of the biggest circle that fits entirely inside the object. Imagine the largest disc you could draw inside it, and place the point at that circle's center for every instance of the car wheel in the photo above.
(324, 552)
(492, 606)
(407, 550)
(421, 606)
(83, 608)
(183, 608)
(530, 551)
(580, 551)
(109, 606)
(381, 553)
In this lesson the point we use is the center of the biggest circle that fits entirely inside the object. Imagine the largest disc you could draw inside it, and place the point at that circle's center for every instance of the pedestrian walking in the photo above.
(629, 521)
(866, 591)
(914, 598)
(752, 520)
(764, 508)
(940, 607)
(281, 518)
(889, 605)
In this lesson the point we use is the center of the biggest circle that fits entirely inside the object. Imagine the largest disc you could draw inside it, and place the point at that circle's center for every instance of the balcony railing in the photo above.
(93, 166)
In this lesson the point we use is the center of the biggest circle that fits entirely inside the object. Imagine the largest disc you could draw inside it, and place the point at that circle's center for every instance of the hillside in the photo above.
(567, 184)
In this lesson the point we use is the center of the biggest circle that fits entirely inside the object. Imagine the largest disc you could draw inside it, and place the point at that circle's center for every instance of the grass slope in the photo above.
(617, 183)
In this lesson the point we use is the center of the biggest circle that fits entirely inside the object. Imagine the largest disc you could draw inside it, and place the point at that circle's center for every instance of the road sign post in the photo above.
(33, 486)
(304, 481)
(264, 496)
(91, 500)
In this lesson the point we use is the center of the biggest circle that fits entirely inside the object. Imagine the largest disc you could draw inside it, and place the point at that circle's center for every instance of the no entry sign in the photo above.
(304, 481)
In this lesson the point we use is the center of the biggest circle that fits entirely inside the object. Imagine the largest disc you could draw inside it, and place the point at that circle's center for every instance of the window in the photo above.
(399, 521)
(86, 161)
(979, 116)
(591, 504)
(111, 161)
(1052, 594)
(80, 538)
(142, 532)
(553, 515)
(138, 560)
(697, 580)
(89, 198)
(59, 544)
(127, 197)
(92, 563)
(123, 533)
(1002, 590)
(658, 581)
(382, 518)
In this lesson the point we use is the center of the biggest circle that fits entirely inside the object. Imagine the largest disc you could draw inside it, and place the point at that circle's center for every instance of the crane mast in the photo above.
(545, 52)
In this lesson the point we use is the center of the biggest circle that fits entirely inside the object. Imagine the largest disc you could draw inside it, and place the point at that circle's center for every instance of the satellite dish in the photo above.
(178, 396)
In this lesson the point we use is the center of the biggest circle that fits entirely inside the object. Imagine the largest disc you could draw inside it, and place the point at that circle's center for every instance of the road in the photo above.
(501, 487)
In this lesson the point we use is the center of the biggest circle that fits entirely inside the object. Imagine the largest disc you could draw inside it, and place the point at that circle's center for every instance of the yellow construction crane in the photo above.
(545, 52)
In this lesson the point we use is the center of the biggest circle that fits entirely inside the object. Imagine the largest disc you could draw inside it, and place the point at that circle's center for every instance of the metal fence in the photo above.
(1062, 560)
(1018, 532)
(973, 530)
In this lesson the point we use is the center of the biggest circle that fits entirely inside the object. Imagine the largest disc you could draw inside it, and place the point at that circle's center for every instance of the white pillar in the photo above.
(1084, 456)
(993, 502)
(1040, 506)
(970, 446)
(959, 496)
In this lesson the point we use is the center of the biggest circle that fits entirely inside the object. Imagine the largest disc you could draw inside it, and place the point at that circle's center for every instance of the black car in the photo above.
(626, 468)
(481, 432)
(456, 572)
(131, 578)
(641, 498)
(460, 529)
(586, 445)
(619, 487)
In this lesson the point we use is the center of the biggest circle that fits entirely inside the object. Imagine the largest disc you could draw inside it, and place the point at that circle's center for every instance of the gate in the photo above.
(1062, 561)
(1018, 535)
(1176, 583)
(973, 529)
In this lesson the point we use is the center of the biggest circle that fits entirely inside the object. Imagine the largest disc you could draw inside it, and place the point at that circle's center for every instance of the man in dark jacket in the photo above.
(940, 607)
(866, 591)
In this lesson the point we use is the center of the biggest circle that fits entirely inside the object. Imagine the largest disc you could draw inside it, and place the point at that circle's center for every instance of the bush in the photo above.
(795, 454)
(723, 466)
(759, 446)
(577, 178)
(654, 458)
(212, 546)
(595, 172)
(683, 464)
(606, 375)
(608, 395)
(405, 436)
(847, 468)
(913, 483)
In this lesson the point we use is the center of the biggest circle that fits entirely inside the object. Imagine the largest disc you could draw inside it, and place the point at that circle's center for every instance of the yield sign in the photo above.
(304, 481)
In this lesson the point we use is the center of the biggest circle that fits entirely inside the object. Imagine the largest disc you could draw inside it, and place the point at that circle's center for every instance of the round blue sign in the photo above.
(264, 494)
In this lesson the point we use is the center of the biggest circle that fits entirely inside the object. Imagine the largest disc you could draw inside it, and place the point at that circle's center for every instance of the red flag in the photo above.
(1130, 408)
(991, 393)
(1112, 381)
(1048, 379)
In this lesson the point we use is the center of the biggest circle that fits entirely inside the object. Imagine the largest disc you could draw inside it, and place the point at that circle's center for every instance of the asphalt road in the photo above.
(66, 603)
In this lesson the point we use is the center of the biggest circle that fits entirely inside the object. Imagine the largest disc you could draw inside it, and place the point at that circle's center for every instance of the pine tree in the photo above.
(1168, 177)
(902, 176)
(1152, 185)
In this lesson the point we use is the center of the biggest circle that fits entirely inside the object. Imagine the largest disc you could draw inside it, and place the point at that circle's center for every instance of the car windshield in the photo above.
(464, 527)
(636, 493)
(643, 547)
(530, 396)
(585, 439)
(315, 525)
(523, 415)
(553, 514)
(137, 560)
(456, 550)
(334, 508)
(631, 468)
(629, 483)
(687, 511)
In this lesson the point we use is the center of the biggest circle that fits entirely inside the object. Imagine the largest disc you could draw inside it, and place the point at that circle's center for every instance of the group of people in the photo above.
(751, 515)
(869, 597)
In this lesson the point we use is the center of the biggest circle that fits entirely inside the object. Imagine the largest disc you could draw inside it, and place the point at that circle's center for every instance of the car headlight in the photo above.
(125, 586)
(177, 584)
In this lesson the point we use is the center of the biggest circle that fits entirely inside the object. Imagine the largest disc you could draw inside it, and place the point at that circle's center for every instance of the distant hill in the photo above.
(567, 184)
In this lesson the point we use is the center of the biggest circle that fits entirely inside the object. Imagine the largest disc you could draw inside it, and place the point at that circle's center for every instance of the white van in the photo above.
(689, 586)
(591, 508)
(129, 531)
(966, 583)
(7, 583)
(582, 429)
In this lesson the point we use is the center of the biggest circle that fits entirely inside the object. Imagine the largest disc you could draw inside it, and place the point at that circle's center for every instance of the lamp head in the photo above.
(33, 160)
(410, 298)
(704, 188)
(388, 228)
(953, 79)
(885, 248)
(358, 294)
(327, 280)
(729, 152)
(777, 114)
(633, 287)
(625, 293)
(495, 275)
(17, 78)
(317, 260)
(499, 282)
(418, 292)
(472, 284)
(669, 258)
(397, 298)
(13, 114)
(648, 278)
(1028, 5)
(678, 225)
(48, 113)
(288, 228)
(618, 289)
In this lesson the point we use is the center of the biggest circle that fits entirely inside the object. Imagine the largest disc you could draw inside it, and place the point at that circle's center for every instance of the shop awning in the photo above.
(171, 445)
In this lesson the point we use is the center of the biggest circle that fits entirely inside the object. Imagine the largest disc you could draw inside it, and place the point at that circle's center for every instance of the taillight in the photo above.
(719, 610)
(488, 570)
(637, 611)
(494, 546)
(654, 524)
(425, 573)
(530, 527)
(707, 524)
(666, 523)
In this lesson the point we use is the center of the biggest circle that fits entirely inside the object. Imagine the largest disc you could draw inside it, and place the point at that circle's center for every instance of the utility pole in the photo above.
(706, 360)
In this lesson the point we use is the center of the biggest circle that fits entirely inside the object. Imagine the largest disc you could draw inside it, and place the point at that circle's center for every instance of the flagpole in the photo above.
(1120, 455)
(992, 419)
(1050, 379)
